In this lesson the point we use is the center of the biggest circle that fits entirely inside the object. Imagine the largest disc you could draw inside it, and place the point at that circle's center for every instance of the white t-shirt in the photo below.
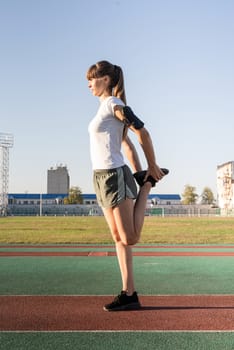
(106, 134)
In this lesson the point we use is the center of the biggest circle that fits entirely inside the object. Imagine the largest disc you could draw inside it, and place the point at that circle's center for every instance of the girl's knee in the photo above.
(115, 236)
(131, 237)
(131, 240)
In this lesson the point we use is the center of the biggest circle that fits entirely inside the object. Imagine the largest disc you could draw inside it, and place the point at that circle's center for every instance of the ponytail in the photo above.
(118, 91)
(118, 88)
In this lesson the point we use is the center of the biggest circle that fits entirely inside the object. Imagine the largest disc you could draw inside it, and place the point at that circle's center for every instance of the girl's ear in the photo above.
(106, 79)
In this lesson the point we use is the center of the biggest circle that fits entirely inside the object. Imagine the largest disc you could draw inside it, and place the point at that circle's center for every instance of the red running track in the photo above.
(95, 253)
(85, 313)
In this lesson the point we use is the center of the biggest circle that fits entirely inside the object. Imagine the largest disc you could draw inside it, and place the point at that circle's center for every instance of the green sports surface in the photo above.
(117, 341)
(100, 275)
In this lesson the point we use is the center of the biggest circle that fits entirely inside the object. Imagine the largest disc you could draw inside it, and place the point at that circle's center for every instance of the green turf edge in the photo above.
(108, 248)
(116, 340)
(180, 230)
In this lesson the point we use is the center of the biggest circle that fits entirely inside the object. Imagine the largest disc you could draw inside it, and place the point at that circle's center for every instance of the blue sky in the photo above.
(177, 57)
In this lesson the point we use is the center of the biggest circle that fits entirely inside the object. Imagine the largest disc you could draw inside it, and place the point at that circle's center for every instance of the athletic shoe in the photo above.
(124, 302)
(140, 175)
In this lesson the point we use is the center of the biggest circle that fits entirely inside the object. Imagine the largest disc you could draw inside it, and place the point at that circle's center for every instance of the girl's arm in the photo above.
(145, 141)
(131, 154)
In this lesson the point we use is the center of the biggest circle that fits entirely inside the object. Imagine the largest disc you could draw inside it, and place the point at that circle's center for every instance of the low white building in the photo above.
(225, 185)
(164, 199)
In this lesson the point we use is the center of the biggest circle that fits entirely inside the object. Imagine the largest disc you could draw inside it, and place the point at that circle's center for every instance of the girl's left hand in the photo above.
(154, 171)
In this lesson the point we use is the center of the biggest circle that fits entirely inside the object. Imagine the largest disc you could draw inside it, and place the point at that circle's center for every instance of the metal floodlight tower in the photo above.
(6, 141)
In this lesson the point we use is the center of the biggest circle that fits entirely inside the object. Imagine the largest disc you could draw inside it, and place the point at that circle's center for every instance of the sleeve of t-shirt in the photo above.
(114, 101)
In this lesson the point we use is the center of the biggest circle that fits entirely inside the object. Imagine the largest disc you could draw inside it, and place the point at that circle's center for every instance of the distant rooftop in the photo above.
(87, 196)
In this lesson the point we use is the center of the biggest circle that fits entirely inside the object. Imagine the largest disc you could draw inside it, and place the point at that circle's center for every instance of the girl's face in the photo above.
(99, 86)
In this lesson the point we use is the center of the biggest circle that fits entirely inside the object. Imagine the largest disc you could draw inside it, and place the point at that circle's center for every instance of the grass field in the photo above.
(82, 229)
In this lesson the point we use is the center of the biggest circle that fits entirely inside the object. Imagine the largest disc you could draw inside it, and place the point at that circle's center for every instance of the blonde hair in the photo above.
(102, 68)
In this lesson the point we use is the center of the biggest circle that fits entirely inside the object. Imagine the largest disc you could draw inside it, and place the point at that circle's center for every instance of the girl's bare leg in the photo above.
(125, 222)
(129, 218)
(139, 208)
(124, 255)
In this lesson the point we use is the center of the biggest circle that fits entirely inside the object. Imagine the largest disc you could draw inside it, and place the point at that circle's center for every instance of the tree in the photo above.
(207, 196)
(75, 196)
(189, 195)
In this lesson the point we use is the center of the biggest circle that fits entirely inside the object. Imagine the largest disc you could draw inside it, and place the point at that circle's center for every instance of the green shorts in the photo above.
(112, 186)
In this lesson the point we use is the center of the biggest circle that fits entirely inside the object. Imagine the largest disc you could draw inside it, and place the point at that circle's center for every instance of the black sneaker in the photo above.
(140, 175)
(123, 302)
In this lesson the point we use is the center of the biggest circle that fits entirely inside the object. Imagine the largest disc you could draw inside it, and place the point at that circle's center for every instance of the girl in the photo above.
(114, 184)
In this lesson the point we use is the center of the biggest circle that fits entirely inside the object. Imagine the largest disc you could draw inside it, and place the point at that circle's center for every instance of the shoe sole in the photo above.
(132, 306)
(165, 171)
